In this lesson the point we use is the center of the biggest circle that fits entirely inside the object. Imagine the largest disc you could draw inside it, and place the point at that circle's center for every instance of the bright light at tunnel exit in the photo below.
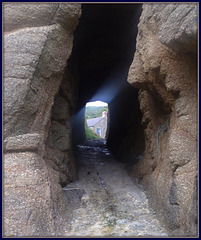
(96, 120)
(97, 104)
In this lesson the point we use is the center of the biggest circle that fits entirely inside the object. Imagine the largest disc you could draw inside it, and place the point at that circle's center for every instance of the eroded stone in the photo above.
(25, 142)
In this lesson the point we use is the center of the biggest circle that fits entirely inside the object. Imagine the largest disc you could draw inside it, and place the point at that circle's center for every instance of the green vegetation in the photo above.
(90, 134)
(94, 112)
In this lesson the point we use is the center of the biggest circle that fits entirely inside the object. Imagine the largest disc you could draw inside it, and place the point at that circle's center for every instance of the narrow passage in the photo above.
(107, 202)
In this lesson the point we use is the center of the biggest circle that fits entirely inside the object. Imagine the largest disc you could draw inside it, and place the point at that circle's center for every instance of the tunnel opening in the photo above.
(96, 120)
(103, 49)
(45, 107)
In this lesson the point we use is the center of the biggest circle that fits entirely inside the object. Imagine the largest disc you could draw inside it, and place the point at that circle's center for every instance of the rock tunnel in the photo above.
(139, 58)
(104, 45)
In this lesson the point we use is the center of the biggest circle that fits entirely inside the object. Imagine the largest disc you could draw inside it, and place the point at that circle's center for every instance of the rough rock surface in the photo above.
(25, 142)
(178, 27)
(32, 81)
(164, 67)
(38, 41)
(58, 145)
(23, 15)
(34, 204)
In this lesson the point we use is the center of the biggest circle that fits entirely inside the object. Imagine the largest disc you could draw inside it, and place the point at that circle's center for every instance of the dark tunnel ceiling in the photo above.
(103, 49)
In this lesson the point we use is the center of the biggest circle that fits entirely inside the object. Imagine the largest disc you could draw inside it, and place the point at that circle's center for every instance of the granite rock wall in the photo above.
(38, 39)
(165, 69)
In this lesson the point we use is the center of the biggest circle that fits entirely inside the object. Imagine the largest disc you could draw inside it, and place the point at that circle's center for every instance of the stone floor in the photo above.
(107, 202)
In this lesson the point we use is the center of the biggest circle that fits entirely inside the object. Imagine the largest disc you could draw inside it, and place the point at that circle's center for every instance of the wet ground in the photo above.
(106, 201)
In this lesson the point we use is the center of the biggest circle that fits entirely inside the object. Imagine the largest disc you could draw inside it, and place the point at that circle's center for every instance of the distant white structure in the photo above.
(98, 125)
